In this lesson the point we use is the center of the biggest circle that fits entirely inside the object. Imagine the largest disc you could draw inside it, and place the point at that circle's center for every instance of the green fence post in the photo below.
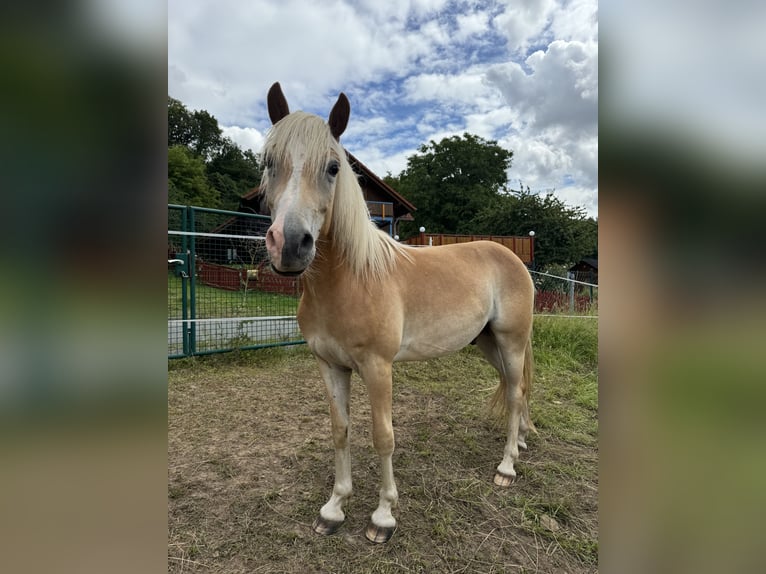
(184, 279)
(192, 285)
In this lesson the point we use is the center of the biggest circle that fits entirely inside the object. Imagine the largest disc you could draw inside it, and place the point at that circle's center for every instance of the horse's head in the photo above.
(303, 157)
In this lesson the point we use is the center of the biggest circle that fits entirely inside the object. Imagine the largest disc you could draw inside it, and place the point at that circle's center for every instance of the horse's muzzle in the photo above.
(291, 248)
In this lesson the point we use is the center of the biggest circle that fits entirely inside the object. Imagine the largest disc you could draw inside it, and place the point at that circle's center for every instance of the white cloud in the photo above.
(562, 88)
(578, 196)
(485, 124)
(527, 23)
(471, 24)
(435, 33)
(549, 162)
(465, 88)
(415, 71)
(524, 21)
(310, 47)
(246, 138)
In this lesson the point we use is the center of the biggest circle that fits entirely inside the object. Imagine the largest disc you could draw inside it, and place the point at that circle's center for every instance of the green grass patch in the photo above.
(212, 303)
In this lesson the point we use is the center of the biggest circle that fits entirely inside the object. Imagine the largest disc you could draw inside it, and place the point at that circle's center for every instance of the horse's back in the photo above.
(475, 261)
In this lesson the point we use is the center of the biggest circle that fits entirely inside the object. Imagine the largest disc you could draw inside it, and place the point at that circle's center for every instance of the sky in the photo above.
(523, 73)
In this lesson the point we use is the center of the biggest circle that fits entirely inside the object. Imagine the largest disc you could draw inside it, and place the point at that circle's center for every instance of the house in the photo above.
(387, 208)
(586, 270)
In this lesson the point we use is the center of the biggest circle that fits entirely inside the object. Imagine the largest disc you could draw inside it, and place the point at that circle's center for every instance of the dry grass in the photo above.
(250, 463)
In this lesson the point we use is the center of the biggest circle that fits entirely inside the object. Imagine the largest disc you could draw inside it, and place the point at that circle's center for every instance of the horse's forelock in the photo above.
(305, 134)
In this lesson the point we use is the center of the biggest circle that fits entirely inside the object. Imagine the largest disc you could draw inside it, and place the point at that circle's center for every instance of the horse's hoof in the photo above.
(504, 480)
(326, 527)
(379, 534)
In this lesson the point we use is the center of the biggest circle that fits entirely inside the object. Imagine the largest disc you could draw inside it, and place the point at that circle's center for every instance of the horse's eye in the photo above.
(333, 168)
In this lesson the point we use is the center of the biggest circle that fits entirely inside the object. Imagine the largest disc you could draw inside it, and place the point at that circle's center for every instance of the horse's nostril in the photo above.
(306, 244)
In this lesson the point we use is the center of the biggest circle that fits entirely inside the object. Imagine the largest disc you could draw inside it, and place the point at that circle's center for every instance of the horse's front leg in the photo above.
(337, 380)
(377, 377)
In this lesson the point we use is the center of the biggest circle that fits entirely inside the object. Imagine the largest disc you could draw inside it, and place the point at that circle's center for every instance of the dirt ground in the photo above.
(251, 463)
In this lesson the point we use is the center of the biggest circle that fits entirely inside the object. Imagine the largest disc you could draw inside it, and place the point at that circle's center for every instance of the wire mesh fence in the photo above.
(575, 295)
(222, 294)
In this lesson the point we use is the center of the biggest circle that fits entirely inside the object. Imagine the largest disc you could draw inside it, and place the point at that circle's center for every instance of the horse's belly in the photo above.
(429, 346)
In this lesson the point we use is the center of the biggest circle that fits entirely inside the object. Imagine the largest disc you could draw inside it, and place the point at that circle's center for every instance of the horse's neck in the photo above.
(337, 263)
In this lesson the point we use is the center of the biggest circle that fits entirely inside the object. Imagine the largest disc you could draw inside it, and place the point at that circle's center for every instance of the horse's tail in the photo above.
(526, 381)
(500, 401)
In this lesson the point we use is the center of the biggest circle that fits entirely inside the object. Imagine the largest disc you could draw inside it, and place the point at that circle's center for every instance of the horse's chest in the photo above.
(346, 336)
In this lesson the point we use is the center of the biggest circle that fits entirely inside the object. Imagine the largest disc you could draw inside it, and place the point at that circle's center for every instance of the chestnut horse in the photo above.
(369, 301)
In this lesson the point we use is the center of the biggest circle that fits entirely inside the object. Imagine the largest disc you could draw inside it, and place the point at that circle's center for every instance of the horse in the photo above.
(369, 300)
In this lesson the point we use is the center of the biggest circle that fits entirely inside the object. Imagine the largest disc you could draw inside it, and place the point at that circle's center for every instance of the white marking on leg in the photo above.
(333, 508)
(511, 451)
(389, 496)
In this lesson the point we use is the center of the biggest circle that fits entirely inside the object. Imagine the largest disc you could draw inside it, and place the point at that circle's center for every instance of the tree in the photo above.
(563, 234)
(233, 173)
(197, 130)
(187, 181)
(180, 124)
(208, 138)
(451, 181)
(228, 171)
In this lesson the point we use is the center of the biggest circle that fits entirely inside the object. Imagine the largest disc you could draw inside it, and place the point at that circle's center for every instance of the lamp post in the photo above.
(532, 248)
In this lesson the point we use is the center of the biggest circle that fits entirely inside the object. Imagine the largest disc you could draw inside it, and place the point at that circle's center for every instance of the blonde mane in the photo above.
(369, 252)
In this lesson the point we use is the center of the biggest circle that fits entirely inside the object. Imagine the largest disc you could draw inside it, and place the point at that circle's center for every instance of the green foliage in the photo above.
(563, 234)
(450, 182)
(196, 140)
(460, 185)
(180, 125)
(187, 181)
(197, 130)
(233, 173)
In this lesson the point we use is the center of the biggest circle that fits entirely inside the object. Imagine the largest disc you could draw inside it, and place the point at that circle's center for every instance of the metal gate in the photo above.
(222, 294)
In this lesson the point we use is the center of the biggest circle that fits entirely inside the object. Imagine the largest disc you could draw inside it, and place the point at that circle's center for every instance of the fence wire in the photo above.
(232, 299)
(576, 295)
(223, 295)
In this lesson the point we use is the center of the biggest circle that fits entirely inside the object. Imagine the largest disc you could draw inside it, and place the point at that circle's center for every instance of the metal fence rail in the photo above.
(575, 294)
(222, 294)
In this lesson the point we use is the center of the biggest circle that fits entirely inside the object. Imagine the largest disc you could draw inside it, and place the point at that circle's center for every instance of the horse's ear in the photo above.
(339, 116)
(277, 103)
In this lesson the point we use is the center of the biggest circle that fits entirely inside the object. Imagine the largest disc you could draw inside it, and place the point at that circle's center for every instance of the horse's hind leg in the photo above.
(338, 382)
(487, 345)
(524, 424)
(507, 356)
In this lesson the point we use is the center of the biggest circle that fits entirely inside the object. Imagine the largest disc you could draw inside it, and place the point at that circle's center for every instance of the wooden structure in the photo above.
(522, 246)
(586, 270)
(387, 207)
